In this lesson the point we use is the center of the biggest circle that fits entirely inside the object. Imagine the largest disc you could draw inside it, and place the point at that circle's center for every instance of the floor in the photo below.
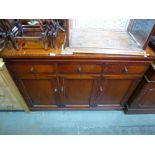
(76, 123)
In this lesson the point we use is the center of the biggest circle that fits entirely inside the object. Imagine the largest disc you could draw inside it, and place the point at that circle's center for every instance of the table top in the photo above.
(119, 45)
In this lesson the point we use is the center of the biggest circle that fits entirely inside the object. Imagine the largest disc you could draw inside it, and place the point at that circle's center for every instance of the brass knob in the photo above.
(79, 69)
(31, 69)
(125, 70)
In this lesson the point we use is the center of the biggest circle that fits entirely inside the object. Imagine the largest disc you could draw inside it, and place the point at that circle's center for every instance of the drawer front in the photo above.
(125, 68)
(67, 68)
(21, 69)
(80, 68)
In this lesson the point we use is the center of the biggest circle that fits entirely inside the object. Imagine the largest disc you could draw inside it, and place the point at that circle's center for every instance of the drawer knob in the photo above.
(79, 69)
(125, 70)
(31, 69)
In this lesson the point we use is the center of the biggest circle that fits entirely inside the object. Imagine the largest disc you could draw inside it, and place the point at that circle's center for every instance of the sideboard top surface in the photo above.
(110, 41)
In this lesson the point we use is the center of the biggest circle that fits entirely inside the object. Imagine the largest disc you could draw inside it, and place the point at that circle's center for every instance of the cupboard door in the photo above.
(40, 93)
(115, 91)
(78, 91)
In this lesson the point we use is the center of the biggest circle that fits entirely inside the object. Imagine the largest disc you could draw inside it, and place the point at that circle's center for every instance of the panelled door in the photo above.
(41, 92)
(114, 91)
(78, 91)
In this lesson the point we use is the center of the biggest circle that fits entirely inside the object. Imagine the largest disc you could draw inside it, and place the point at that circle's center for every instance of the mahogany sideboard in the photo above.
(83, 81)
(97, 70)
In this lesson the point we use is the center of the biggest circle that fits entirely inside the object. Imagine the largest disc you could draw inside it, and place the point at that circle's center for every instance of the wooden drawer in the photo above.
(21, 69)
(79, 68)
(125, 68)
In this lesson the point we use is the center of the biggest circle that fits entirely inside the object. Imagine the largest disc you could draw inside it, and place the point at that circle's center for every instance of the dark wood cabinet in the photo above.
(145, 98)
(142, 100)
(82, 85)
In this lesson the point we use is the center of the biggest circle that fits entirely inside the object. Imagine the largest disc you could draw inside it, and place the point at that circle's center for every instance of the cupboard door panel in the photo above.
(78, 91)
(115, 92)
(41, 92)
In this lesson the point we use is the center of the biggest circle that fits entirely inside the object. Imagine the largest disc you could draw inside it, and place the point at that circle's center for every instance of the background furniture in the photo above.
(10, 98)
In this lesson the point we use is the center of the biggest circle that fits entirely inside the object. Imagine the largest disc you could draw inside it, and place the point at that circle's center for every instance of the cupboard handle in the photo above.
(101, 89)
(147, 80)
(62, 89)
(55, 90)
(79, 69)
(125, 70)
